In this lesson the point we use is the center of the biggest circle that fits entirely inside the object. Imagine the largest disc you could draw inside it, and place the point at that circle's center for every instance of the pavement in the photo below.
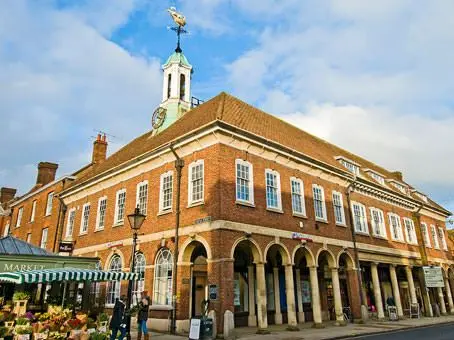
(372, 330)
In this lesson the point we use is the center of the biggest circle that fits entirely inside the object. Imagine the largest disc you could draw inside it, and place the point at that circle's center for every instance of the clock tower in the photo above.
(176, 91)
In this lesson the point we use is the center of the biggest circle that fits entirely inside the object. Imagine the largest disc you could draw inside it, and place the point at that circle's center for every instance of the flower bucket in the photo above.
(9, 324)
(40, 336)
(22, 337)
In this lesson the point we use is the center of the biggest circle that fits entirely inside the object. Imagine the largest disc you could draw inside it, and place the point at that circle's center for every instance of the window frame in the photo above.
(20, 213)
(425, 235)
(277, 208)
(383, 233)
(322, 193)
(250, 180)
(342, 210)
(192, 166)
(82, 219)
(70, 211)
(436, 241)
(364, 223)
(138, 186)
(49, 204)
(33, 212)
(413, 231)
(29, 238)
(399, 230)
(44, 231)
(139, 284)
(7, 229)
(98, 214)
(303, 212)
(163, 176)
(118, 222)
(114, 286)
(442, 236)
(158, 278)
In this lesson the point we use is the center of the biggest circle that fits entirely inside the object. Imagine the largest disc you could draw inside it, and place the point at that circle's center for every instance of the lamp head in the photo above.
(136, 219)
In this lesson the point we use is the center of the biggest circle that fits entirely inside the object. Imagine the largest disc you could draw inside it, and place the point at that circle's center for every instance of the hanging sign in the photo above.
(433, 276)
(194, 330)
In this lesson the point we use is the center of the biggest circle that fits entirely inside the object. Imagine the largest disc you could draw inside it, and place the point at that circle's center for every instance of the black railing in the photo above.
(196, 102)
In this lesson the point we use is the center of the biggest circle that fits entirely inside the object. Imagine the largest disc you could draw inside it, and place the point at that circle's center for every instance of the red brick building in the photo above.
(275, 224)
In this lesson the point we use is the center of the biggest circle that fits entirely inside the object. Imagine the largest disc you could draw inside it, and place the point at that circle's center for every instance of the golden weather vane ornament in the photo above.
(180, 21)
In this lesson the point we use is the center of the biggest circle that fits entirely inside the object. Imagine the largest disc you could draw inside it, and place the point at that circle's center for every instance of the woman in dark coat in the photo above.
(117, 320)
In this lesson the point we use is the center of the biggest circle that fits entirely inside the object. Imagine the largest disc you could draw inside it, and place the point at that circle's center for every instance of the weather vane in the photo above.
(180, 21)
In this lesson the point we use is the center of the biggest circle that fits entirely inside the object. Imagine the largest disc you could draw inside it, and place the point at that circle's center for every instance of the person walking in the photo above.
(117, 322)
(142, 316)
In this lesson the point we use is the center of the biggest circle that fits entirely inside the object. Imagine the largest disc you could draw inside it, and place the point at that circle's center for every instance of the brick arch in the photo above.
(308, 254)
(282, 249)
(350, 261)
(332, 263)
(189, 245)
(111, 255)
(255, 249)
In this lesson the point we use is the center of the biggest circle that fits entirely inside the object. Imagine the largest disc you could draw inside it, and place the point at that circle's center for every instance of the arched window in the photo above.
(162, 288)
(139, 268)
(169, 85)
(113, 287)
(95, 286)
(182, 86)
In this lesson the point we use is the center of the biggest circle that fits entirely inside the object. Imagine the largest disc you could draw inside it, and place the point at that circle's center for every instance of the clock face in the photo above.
(158, 117)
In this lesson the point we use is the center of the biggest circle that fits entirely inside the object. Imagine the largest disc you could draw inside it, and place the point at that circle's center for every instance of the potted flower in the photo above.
(20, 300)
(75, 325)
(98, 336)
(91, 325)
(5, 332)
(40, 330)
(103, 319)
(9, 320)
(23, 332)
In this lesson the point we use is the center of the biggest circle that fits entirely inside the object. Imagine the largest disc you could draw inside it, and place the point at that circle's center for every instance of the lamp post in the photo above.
(135, 221)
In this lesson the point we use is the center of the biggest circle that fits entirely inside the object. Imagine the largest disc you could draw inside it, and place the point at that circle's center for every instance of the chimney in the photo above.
(6, 194)
(398, 175)
(99, 149)
(46, 172)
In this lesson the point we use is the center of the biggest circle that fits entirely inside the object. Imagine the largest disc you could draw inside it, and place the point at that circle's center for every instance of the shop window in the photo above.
(162, 289)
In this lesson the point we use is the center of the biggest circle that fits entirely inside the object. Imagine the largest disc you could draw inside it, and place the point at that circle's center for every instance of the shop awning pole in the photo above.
(65, 283)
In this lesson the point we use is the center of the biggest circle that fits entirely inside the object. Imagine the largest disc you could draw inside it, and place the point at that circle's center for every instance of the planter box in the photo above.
(22, 337)
(20, 307)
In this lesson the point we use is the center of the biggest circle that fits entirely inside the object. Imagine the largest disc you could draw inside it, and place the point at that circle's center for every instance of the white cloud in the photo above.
(62, 78)
(374, 78)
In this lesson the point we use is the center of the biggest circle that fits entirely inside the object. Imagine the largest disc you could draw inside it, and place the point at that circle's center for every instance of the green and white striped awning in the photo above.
(65, 274)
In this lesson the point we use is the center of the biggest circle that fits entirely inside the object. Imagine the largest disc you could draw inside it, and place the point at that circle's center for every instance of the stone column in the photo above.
(377, 290)
(252, 319)
(316, 307)
(262, 318)
(396, 292)
(299, 293)
(277, 298)
(411, 284)
(449, 295)
(354, 292)
(337, 297)
(290, 297)
(441, 299)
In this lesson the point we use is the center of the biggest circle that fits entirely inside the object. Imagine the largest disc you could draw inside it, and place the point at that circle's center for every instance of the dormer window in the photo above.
(421, 196)
(376, 176)
(402, 188)
(349, 164)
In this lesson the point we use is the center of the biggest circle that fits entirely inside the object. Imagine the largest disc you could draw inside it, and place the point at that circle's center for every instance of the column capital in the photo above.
(393, 265)
(334, 268)
(374, 264)
(288, 265)
(313, 266)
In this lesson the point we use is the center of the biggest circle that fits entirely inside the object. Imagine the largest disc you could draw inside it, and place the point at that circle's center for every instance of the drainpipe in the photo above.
(364, 311)
(60, 221)
(179, 164)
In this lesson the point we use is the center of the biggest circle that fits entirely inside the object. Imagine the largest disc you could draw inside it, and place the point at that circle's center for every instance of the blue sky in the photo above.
(375, 77)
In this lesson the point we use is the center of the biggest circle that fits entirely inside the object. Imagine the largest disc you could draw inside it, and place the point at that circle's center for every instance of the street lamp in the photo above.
(135, 221)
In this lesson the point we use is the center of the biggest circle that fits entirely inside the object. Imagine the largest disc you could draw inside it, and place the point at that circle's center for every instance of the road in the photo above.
(438, 332)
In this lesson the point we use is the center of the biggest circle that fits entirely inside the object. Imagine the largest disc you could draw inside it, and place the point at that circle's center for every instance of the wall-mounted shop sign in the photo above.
(213, 292)
(203, 220)
(65, 247)
(300, 236)
(433, 276)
